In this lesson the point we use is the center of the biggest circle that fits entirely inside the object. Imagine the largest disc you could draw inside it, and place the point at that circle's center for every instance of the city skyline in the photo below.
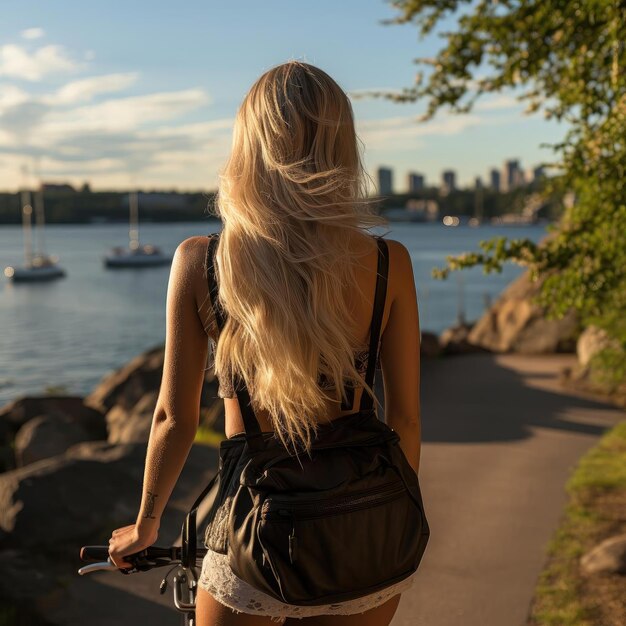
(511, 171)
(99, 105)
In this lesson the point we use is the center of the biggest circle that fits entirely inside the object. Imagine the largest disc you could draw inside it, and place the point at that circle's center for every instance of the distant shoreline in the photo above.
(67, 206)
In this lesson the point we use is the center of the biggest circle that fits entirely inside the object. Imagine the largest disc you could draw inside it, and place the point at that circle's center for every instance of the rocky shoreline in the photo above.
(66, 459)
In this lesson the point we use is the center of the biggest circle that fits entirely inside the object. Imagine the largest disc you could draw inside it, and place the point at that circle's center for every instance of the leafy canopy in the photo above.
(568, 57)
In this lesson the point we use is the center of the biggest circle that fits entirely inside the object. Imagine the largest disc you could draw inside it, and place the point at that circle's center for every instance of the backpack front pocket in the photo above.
(351, 542)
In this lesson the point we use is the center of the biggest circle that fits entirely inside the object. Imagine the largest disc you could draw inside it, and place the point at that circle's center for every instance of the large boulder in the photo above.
(47, 435)
(15, 414)
(52, 508)
(132, 425)
(429, 344)
(125, 386)
(128, 397)
(63, 500)
(515, 324)
(455, 340)
(65, 418)
(585, 376)
(592, 341)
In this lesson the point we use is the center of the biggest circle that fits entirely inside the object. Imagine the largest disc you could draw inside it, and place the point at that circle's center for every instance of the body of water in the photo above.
(69, 333)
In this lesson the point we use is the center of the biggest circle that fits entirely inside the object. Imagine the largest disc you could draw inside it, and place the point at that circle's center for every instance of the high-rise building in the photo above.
(478, 182)
(415, 182)
(385, 181)
(448, 179)
(513, 176)
(494, 176)
(538, 173)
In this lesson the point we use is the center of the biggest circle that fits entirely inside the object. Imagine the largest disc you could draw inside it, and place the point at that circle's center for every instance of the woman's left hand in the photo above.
(129, 540)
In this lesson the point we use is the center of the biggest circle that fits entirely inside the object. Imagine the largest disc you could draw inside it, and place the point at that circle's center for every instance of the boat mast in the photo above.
(39, 212)
(27, 211)
(26, 227)
(133, 232)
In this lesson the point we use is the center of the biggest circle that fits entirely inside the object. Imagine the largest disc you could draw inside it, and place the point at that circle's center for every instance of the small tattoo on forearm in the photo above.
(150, 505)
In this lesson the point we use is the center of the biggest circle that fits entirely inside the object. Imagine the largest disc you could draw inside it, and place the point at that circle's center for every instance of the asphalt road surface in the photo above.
(500, 439)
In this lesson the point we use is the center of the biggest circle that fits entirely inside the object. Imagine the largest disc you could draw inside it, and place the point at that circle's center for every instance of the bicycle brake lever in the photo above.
(93, 567)
(108, 565)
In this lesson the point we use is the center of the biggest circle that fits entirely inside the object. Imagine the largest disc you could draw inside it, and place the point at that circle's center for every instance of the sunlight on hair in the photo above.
(292, 197)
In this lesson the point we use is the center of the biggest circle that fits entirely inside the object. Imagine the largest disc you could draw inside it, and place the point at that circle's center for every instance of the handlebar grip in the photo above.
(94, 553)
(152, 553)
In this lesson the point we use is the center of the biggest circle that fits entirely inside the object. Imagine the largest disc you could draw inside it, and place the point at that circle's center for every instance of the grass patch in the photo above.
(206, 436)
(597, 490)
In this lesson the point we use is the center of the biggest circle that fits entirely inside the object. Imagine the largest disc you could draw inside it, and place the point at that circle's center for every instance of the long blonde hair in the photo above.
(290, 196)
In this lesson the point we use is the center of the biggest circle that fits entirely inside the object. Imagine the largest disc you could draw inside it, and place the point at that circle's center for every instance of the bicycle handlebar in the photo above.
(147, 559)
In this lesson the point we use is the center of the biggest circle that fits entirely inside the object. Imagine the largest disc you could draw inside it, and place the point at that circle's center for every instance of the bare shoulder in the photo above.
(193, 249)
(189, 267)
(400, 274)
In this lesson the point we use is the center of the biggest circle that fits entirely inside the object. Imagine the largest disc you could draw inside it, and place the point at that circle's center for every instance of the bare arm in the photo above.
(177, 412)
(400, 355)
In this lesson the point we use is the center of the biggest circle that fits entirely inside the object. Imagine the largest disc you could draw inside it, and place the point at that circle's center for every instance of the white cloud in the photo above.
(500, 101)
(32, 33)
(85, 129)
(11, 96)
(85, 89)
(18, 62)
(359, 93)
(57, 167)
(403, 132)
(122, 114)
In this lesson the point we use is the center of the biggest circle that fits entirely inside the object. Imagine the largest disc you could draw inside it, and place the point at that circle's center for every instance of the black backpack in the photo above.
(340, 524)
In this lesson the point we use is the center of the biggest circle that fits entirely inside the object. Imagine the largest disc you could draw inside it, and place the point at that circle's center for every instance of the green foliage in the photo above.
(601, 471)
(569, 56)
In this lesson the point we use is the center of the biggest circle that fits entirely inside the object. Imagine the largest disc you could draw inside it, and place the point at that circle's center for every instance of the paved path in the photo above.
(500, 439)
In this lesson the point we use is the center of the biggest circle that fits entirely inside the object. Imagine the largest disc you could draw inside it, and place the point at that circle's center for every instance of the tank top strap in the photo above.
(212, 281)
(251, 424)
(382, 271)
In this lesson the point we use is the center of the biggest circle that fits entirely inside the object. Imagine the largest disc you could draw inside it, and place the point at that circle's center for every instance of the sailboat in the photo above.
(38, 266)
(136, 255)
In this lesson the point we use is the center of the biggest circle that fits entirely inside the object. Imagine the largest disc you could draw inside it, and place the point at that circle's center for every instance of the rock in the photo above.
(454, 340)
(26, 575)
(429, 344)
(7, 459)
(17, 413)
(607, 557)
(125, 386)
(39, 579)
(7, 431)
(132, 426)
(129, 394)
(515, 324)
(47, 435)
(63, 500)
(592, 341)
(581, 378)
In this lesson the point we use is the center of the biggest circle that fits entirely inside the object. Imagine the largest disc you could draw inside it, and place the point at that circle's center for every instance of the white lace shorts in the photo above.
(218, 579)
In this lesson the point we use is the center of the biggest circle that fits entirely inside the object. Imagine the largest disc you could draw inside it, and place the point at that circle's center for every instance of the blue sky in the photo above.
(145, 93)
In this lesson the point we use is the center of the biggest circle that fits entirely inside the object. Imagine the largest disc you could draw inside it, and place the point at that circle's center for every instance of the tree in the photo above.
(569, 56)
